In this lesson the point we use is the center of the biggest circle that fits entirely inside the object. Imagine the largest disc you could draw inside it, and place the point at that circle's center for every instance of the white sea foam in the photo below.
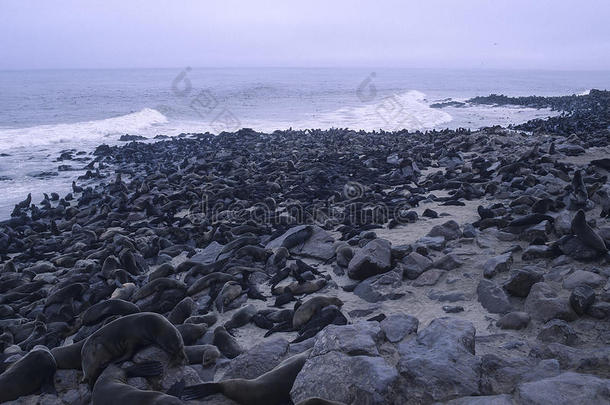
(81, 131)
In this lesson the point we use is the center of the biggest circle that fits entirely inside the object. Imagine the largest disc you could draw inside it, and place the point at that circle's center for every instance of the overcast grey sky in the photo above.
(544, 34)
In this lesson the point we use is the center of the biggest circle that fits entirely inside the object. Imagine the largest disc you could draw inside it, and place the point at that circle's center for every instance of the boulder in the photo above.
(397, 326)
(521, 281)
(374, 258)
(448, 262)
(582, 298)
(258, 359)
(439, 364)
(429, 278)
(565, 389)
(498, 264)
(380, 288)
(492, 297)
(582, 277)
(415, 264)
(543, 304)
(558, 331)
(344, 366)
(449, 230)
(514, 320)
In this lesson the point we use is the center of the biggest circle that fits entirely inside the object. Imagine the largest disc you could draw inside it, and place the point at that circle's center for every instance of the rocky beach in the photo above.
(320, 267)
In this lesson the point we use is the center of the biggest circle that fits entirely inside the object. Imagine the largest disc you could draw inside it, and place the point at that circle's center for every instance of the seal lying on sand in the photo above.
(271, 388)
(29, 374)
(118, 340)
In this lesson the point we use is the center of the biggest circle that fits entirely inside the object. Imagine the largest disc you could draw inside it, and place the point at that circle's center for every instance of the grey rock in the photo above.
(344, 366)
(432, 242)
(380, 288)
(415, 264)
(440, 363)
(599, 310)
(449, 230)
(357, 380)
(374, 258)
(448, 262)
(360, 338)
(592, 361)
(558, 331)
(565, 389)
(498, 264)
(396, 326)
(582, 298)
(446, 296)
(318, 246)
(502, 375)
(521, 281)
(582, 277)
(429, 278)
(492, 297)
(209, 254)
(514, 320)
(543, 304)
(258, 359)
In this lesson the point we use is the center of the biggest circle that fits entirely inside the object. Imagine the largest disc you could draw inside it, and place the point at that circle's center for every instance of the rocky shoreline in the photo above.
(321, 267)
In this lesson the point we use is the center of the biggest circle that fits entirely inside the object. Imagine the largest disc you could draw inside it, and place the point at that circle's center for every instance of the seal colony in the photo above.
(320, 267)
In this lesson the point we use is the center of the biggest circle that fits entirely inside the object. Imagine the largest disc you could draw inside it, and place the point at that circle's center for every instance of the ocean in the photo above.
(44, 112)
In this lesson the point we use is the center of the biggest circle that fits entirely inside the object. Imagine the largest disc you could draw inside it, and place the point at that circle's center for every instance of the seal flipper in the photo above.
(200, 391)
(148, 369)
(177, 389)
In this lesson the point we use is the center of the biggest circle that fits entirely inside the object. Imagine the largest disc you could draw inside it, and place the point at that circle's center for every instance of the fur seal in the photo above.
(304, 313)
(241, 317)
(586, 234)
(271, 388)
(226, 343)
(181, 311)
(202, 354)
(117, 341)
(98, 312)
(68, 357)
(111, 388)
(230, 290)
(29, 374)
(191, 332)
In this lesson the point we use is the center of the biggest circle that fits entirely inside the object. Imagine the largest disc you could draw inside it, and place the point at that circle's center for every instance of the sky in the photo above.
(511, 34)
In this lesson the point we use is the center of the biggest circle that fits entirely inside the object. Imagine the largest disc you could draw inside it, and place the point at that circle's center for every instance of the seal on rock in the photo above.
(586, 234)
(118, 340)
(310, 307)
(271, 388)
(29, 374)
(111, 388)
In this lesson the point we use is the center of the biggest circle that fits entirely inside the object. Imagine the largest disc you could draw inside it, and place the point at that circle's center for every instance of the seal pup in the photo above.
(306, 311)
(226, 343)
(586, 234)
(29, 374)
(111, 388)
(117, 341)
(68, 357)
(104, 309)
(271, 388)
